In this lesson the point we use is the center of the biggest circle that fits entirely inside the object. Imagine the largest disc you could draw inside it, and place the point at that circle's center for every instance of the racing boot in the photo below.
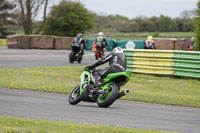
(97, 79)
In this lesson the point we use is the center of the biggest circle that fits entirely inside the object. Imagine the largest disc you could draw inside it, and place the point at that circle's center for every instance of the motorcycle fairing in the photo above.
(119, 78)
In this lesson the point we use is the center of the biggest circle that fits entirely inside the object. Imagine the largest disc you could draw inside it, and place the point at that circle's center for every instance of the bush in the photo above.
(156, 34)
(197, 28)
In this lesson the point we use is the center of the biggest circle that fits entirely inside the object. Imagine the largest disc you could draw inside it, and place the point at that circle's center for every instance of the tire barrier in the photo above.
(91, 41)
(42, 42)
(161, 44)
(186, 63)
(164, 62)
(63, 43)
(38, 42)
(172, 43)
(53, 42)
(18, 41)
(129, 44)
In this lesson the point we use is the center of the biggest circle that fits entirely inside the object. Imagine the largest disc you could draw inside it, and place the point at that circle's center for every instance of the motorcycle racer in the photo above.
(101, 40)
(117, 63)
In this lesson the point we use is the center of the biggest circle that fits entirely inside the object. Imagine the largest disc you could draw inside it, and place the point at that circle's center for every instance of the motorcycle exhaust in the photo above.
(121, 94)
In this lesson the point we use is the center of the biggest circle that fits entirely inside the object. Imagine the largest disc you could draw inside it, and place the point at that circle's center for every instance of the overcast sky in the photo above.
(134, 8)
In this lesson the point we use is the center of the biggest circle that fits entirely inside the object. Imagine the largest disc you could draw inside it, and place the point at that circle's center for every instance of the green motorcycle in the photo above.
(104, 95)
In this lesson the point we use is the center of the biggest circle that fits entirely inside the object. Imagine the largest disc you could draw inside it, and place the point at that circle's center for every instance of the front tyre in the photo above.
(74, 97)
(109, 98)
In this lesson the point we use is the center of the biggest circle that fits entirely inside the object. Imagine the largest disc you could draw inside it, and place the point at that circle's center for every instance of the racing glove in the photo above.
(87, 68)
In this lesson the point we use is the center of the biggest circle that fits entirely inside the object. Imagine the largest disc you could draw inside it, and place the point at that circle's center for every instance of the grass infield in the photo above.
(24, 125)
(145, 88)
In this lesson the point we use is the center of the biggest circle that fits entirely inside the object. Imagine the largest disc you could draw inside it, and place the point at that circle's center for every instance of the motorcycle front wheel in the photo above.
(74, 97)
(109, 98)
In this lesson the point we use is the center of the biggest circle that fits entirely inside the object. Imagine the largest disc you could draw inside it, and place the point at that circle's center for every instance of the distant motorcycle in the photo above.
(99, 51)
(191, 45)
(76, 53)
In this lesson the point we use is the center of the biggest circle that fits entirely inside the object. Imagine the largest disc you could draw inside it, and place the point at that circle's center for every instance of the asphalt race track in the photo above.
(40, 105)
(11, 58)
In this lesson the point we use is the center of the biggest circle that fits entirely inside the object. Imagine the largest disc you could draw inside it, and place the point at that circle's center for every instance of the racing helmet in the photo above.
(101, 34)
(79, 35)
(149, 38)
(117, 50)
(193, 38)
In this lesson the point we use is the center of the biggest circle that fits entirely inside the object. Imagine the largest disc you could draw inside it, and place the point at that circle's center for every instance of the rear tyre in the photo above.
(101, 55)
(74, 97)
(79, 58)
(96, 55)
(71, 57)
(109, 98)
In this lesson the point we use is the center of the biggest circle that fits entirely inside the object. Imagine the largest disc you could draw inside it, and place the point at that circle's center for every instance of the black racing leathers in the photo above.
(80, 42)
(117, 63)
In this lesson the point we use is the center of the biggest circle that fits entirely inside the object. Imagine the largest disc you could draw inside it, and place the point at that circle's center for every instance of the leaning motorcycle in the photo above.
(104, 95)
(75, 54)
(99, 51)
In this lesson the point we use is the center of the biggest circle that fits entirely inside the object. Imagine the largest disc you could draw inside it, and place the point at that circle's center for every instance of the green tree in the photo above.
(155, 23)
(115, 22)
(5, 13)
(179, 24)
(69, 18)
(197, 28)
(174, 25)
(102, 22)
(139, 22)
(134, 26)
(120, 23)
(188, 24)
(165, 23)
(6, 16)
(29, 10)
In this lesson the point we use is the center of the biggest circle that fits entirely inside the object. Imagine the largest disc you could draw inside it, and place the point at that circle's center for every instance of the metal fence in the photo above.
(164, 62)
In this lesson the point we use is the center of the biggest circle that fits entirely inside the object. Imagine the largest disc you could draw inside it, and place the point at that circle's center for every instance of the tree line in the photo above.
(71, 17)
(144, 24)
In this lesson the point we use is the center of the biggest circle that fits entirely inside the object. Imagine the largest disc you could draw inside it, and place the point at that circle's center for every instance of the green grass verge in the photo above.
(25, 125)
(2, 42)
(145, 88)
(142, 35)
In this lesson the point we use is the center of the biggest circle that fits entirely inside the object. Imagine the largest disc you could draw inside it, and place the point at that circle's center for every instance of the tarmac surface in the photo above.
(49, 106)
(11, 58)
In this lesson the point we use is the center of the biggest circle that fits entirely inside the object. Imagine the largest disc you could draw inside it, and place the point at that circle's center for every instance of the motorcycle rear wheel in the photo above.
(79, 58)
(109, 98)
(74, 97)
(71, 57)
(96, 55)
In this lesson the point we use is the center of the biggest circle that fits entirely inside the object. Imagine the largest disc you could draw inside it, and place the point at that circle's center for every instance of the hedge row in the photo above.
(53, 42)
